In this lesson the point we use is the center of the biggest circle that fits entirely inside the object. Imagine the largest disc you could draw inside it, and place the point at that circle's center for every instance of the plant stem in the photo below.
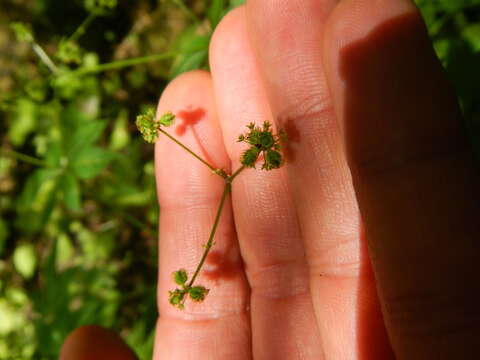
(234, 175)
(23, 157)
(45, 58)
(215, 170)
(226, 191)
(120, 64)
(83, 27)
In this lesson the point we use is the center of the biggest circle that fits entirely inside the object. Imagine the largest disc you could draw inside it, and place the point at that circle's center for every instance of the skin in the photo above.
(379, 194)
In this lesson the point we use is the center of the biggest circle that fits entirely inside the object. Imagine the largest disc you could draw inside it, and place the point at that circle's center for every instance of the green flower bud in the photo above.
(180, 277)
(250, 156)
(198, 293)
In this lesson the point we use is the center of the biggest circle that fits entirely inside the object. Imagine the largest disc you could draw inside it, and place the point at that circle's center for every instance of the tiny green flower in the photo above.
(198, 293)
(149, 126)
(177, 298)
(167, 119)
(262, 141)
(180, 277)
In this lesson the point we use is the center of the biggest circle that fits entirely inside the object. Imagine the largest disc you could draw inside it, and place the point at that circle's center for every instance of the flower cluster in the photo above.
(149, 126)
(178, 296)
(262, 141)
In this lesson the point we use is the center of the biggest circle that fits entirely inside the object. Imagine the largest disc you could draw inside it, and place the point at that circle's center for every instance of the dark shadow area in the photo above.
(396, 105)
(293, 137)
(398, 111)
(223, 265)
(380, 120)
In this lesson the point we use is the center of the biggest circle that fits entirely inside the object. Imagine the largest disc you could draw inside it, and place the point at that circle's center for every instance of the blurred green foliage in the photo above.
(78, 213)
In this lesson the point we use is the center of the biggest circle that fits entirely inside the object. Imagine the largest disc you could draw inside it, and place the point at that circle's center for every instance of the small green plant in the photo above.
(263, 145)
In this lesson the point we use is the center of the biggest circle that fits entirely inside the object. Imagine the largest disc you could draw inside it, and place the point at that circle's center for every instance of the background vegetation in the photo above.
(78, 213)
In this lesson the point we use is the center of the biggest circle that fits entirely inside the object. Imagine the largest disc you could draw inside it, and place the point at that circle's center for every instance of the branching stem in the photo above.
(193, 153)
(226, 191)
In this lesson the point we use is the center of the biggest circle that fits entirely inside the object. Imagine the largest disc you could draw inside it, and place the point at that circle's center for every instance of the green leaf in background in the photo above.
(216, 12)
(23, 121)
(25, 260)
(120, 136)
(34, 191)
(86, 135)
(190, 62)
(455, 5)
(71, 191)
(471, 33)
(53, 154)
(4, 232)
(88, 162)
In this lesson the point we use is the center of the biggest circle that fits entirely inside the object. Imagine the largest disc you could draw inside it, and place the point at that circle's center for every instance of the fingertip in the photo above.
(94, 342)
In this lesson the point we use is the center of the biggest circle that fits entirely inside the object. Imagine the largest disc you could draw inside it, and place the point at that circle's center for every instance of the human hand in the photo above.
(374, 132)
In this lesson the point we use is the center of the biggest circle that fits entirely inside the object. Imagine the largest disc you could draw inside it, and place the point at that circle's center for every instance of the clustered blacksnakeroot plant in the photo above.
(263, 145)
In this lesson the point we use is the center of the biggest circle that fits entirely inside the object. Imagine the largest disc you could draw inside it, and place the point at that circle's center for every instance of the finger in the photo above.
(413, 175)
(95, 343)
(283, 321)
(287, 38)
(189, 195)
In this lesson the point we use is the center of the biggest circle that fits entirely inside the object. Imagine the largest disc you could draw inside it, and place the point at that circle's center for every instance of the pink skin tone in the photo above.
(376, 161)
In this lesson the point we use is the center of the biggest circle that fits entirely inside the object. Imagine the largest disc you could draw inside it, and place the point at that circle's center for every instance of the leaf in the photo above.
(88, 162)
(190, 62)
(25, 260)
(189, 41)
(53, 155)
(39, 182)
(24, 121)
(216, 12)
(85, 136)
(471, 33)
(71, 191)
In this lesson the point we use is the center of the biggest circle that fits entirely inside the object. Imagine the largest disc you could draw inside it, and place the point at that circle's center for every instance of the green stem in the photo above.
(226, 191)
(186, 10)
(120, 64)
(83, 27)
(22, 157)
(235, 174)
(45, 58)
(214, 169)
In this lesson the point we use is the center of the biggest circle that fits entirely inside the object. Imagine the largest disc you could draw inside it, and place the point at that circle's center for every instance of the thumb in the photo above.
(94, 342)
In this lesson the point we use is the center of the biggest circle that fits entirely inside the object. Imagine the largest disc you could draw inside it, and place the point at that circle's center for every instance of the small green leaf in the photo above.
(87, 163)
(71, 191)
(25, 260)
(180, 277)
(198, 293)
